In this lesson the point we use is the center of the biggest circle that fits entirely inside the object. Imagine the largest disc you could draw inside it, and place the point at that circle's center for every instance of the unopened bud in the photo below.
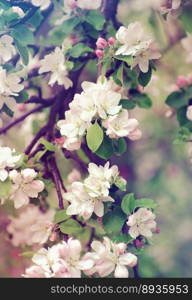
(112, 41)
(99, 53)
(101, 43)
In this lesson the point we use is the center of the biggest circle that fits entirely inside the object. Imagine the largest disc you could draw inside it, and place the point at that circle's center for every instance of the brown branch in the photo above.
(23, 117)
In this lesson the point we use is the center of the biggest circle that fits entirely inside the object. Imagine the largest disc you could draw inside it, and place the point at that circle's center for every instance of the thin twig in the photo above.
(23, 117)
(54, 170)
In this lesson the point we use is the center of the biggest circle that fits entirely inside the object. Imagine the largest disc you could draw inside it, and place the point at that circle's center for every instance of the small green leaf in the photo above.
(49, 146)
(144, 78)
(5, 189)
(23, 51)
(127, 103)
(120, 146)
(121, 183)
(143, 101)
(7, 110)
(95, 19)
(70, 227)
(79, 49)
(94, 137)
(178, 99)
(105, 151)
(128, 203)
(113, 221)
(61, 216)
(23, 97)
(145, 202)
(23, 34)
(126, 58)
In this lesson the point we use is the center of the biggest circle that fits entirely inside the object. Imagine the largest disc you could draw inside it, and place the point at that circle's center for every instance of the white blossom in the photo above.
(31, 226)
(82, 204)
(110, 257)
(135, 43)
(43, 4)
(9, 83)
(7, 50)
(141, 223)
(8, 159)
(55, 63)
(120, 125)
(62, 260)
(25, 186)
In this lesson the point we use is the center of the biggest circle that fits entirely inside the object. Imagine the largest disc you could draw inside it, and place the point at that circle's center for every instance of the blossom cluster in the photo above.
(64, 260)
(142, 222)
(89, 196)
(98, 101)
(24, 184)
(31, 226)
(134, 42)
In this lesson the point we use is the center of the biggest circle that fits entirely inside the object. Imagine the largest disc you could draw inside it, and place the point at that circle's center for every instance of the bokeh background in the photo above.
(156, 166)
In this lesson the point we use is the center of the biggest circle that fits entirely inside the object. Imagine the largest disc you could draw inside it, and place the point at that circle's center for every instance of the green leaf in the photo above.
(94, 137)
(8, 111)
(145, 202)
(121, 183)
(105, 151)
(79, 49)
(105, 66)
(127, 104)
(49, 146)
(36, 19)
(126, 58)
(122, 238)
(143, 101)
(61, 216)
(23, 51)
(178, 99)
(128, 203)
(23, 34)
(144, 78)
(70, 227)
(23, 97)
(95, 19)
(113, 221)
(120, 146)
(5, 189)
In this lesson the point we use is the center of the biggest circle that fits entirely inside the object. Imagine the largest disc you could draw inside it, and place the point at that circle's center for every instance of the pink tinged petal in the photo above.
(20, 199)
(99, 209)
(128, 259)
(121, 272)
(34, 188)
(74, 272)
(106, 268)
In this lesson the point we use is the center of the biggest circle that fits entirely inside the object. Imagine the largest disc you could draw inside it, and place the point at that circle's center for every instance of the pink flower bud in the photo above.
(182, 81)
(157, 230)
(59, 141)
(101, 43)
(112, 41)
(53, 237)
(22, 107)
(99, 53)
